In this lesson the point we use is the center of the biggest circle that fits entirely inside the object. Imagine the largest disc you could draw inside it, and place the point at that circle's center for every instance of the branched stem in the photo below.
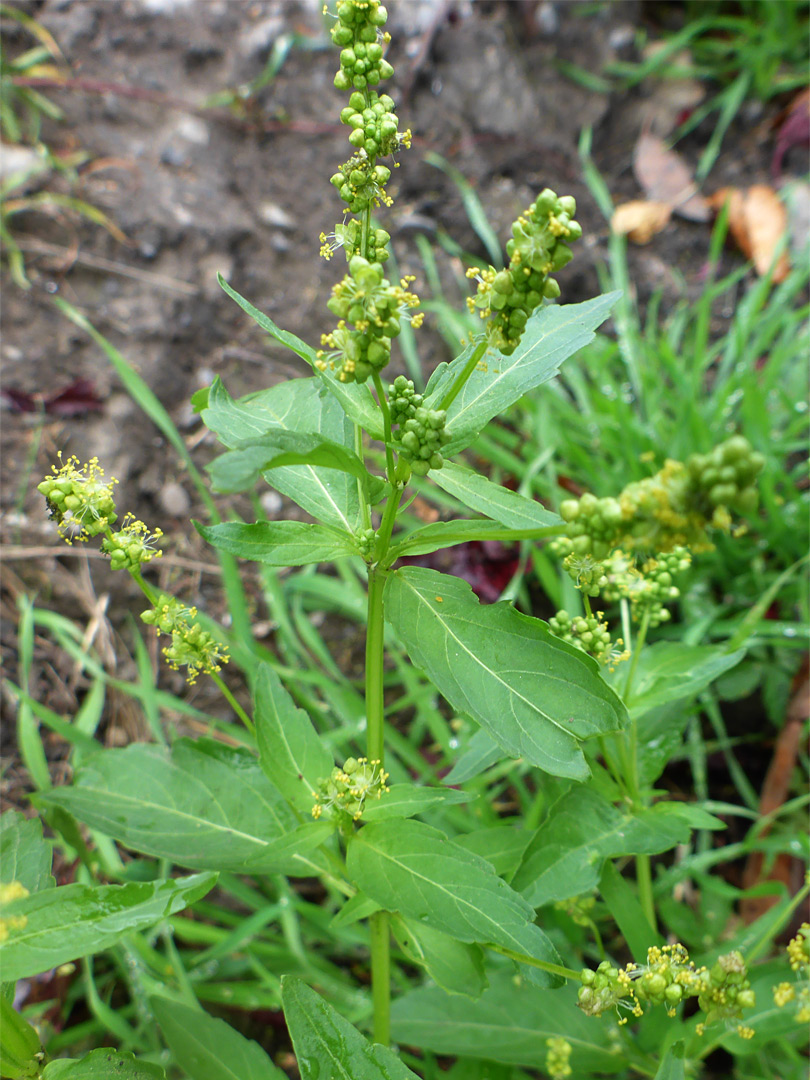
(463, 375)
(543, 965)
(234, 704)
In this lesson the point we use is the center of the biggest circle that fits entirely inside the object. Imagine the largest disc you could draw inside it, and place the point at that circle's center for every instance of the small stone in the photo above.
(174, 500)
(273, 214)
(548, 21)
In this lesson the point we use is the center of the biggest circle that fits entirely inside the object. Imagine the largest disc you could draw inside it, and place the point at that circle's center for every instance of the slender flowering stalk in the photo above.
(82, 503)
(370, 308)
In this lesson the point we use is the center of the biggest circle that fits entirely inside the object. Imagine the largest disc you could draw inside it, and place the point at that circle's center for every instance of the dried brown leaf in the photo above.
(640, 220)
(666, 178)
(758, 222)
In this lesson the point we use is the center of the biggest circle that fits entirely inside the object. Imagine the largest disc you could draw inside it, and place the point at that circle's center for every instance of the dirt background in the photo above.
(199, 191)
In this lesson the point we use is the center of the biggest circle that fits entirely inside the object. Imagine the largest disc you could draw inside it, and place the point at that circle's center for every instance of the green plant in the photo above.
(752, 49)
(485, 878)
(29, 189)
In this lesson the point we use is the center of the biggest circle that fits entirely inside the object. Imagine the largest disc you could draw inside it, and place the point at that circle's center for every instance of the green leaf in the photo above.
(453, 965)
(623, 904)
(210, 1049)
(496, 502)
(660, 737)
(24, 855)
(408, 800)
(279, 543)
(330, 1048)
(694, 816)
(202, 805)
(533, 694)
(482, 751)
(583, 829)
(356, 400)
(291, 752)
(552, 334)
(299, 405)
(672, 1064)
(413, 869)
(239, 469)
(19, 1044)
(356, 908)
(71, 921)
(444, 534)
(670, 671)
(502, 845)
(509, 1024)
(103, 1064)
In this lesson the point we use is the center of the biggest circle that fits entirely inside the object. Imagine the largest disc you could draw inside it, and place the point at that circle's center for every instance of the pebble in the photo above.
(273, 214)
(174, 500)
(548, 21)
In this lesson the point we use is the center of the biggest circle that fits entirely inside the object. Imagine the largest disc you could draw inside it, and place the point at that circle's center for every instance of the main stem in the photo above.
(378, 924)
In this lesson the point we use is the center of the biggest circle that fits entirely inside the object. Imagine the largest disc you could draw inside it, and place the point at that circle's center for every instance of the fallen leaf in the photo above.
(75, 399)
(758, 222)
(666, 178)
(640, 220)
(794, 130)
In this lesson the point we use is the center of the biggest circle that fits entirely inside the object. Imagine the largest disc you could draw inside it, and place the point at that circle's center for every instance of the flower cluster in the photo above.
(347, 790)
(79, 499)
(14, 890)
(798, 995)
(361, 184)
(724, 480)
(589, 633)
(82, 502)
(133, 544)
(370, 309)
(349, 235)
(376, 307)
(191, 646)
(421, 432)
(668, 978)
(538, 247)
(558, 1056)
(671, 509)
(373, 122)
(366, 539)
(578, 908)
(357, 32)
(648, 588)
